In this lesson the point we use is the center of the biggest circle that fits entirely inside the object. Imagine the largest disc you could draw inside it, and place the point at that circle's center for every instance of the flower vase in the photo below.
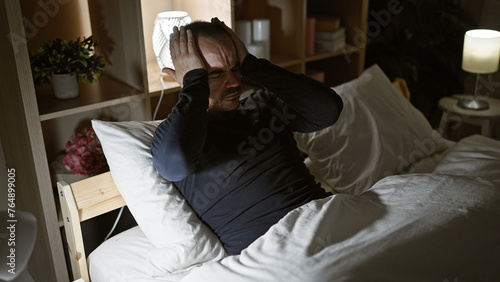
(65, 86)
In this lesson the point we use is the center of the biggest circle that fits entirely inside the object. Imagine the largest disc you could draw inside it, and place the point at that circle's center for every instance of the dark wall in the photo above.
(422, 41)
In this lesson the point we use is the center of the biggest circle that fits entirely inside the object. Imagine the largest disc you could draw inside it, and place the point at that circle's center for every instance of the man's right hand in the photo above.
(184, 54)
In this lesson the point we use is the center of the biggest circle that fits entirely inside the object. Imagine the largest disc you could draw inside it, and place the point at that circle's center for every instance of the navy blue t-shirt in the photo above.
(242, 172)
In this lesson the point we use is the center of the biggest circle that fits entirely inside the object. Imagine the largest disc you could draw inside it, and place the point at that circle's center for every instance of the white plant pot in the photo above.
(65, 86)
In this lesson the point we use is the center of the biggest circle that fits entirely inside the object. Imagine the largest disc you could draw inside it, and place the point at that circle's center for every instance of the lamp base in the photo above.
(473, 104)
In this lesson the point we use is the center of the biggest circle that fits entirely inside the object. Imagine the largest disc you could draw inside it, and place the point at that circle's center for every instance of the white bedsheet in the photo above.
(412, 227)
(475, 155)
(124, 258)
(418, 227)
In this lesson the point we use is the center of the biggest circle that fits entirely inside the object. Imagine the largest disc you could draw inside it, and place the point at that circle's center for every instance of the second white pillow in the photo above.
(378, 133)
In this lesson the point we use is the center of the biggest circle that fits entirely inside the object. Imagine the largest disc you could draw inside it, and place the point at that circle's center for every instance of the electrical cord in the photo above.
(161, 97)
(114, 225)
(154, 117)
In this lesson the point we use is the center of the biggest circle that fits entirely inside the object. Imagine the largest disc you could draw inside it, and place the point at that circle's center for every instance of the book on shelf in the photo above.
(329, 46)
(327, 23)
(310, 34)
(330, 35)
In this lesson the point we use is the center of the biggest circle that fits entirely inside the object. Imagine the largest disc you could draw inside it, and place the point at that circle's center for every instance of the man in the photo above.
(236, 162)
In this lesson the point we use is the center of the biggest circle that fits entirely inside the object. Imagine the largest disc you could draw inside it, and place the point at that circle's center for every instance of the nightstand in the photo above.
(484, 118)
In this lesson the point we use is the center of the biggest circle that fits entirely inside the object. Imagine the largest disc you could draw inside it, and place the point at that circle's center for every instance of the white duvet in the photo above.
(414, 227)
(406, 228)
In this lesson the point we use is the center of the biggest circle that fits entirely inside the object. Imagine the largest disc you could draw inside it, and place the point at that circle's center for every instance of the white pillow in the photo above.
(180, 238)
(378, 133)
(475, 155)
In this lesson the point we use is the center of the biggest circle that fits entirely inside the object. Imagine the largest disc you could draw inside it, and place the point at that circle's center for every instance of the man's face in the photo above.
(224, 78)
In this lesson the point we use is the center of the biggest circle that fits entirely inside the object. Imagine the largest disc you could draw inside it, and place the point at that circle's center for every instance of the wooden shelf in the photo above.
(288, 33)
(104, 93)
(325, 55)
(124, 29)
(154, 83)
(285, 61)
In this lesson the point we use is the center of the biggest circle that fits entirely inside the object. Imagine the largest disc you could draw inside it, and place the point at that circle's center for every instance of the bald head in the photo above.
(206, 29)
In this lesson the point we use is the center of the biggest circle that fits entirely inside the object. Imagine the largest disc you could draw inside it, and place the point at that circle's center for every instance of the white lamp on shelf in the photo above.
(164, 24)
(481, 54)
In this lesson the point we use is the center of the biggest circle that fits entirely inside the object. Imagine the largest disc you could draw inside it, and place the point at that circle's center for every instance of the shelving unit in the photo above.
(288, 33)
(38, 125)
(107, 92)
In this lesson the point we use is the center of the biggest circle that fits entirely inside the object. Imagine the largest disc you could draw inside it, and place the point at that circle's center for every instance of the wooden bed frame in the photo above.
(80, 201)
(98, 195)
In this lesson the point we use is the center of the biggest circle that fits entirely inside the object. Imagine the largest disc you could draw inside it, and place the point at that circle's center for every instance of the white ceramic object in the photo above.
(261, 33)
(164, 24)
(65, 86)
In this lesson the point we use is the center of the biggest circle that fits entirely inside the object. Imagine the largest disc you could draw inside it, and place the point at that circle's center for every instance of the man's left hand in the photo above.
(241, 49)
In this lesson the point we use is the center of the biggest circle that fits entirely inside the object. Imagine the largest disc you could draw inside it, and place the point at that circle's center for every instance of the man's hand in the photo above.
(241, 49)
(184, 54)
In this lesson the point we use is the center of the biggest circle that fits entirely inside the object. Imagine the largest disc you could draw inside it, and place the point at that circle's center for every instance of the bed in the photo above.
(407, 205)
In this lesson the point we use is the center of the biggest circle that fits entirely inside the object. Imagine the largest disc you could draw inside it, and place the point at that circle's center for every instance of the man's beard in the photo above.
(232, 90)
(219, 106)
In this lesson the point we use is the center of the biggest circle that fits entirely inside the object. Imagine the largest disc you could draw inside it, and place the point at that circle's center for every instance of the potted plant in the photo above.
(65, 63)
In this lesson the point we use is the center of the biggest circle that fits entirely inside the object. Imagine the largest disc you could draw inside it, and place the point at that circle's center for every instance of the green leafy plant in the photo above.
(67, 57)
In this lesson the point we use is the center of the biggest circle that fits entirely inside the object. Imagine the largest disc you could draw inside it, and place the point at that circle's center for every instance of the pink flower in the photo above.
(84, 154)
(81, 149)
(72, 163)
(74, 139)
(71, 147)
(88, 162)
(90, 133)
(82, 141)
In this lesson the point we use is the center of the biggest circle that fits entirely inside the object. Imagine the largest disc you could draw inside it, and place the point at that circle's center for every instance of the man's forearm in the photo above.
(315, 104)
(179, 139)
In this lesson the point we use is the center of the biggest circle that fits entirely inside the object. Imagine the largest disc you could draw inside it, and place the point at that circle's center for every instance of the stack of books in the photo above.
(329, 35)
(323, 35)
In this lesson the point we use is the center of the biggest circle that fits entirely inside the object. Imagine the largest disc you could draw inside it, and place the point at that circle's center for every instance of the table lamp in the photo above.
(481, 54)
(164, 24)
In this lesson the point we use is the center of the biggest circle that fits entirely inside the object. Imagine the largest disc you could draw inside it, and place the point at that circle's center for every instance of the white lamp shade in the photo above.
(481, 51)
(164, 25)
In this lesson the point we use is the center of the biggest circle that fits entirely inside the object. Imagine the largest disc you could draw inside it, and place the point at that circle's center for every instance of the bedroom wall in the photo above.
(42, 20)
(423, 44)
(48, 19)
